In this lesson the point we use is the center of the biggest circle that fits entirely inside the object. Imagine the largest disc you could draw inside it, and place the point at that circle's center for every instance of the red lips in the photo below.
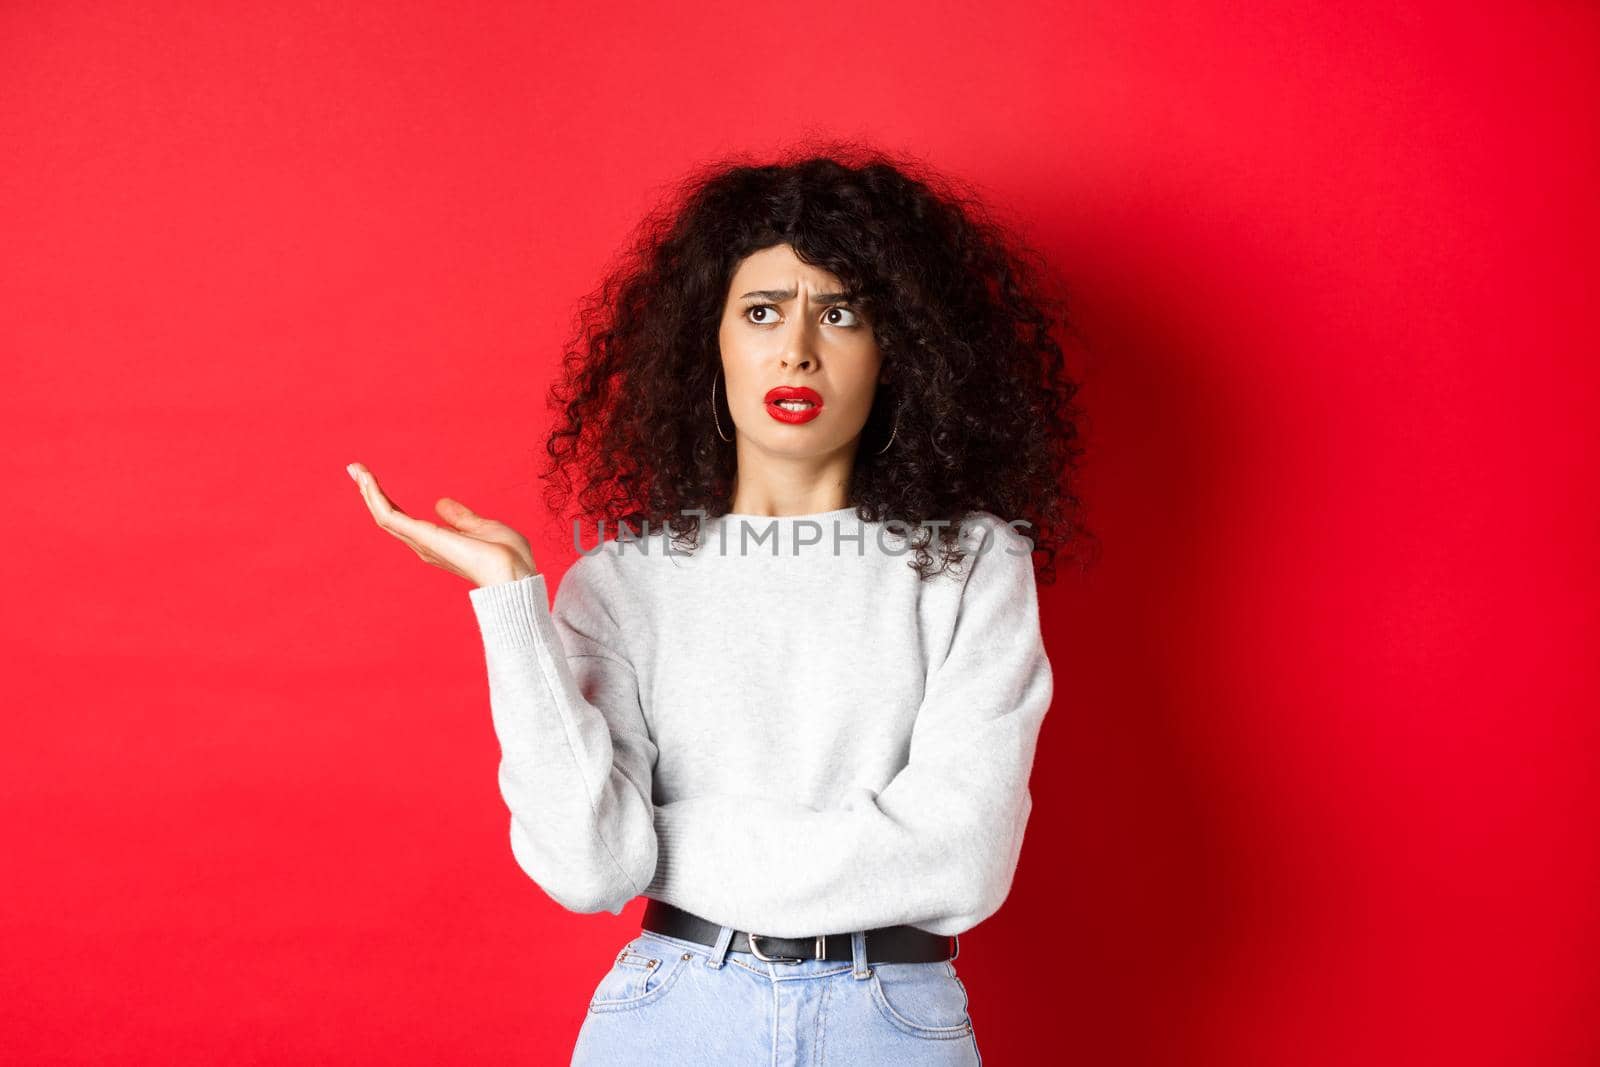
(793, 392)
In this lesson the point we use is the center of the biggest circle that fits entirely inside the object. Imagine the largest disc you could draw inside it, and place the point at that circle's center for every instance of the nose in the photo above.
(798, 348)
(797, 352)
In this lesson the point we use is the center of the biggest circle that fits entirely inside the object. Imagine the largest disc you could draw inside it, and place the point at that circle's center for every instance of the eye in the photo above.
(768, 311)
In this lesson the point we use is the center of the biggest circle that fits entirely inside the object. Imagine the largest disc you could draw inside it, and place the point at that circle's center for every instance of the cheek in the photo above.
(868, 389)
(732, 356)
(737, 377)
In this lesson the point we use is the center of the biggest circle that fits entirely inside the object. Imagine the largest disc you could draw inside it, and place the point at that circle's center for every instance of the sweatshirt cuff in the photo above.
(512, 614)
(661, 885)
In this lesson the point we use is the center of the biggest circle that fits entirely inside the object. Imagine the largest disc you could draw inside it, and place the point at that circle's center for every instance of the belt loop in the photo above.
(858, 956)
(719, 951)
(957, 952)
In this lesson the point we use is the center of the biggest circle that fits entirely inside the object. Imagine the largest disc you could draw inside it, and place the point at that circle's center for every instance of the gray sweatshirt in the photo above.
(782, 730)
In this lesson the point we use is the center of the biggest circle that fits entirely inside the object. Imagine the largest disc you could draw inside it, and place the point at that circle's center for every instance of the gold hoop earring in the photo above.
(896, 429)
(714, 418)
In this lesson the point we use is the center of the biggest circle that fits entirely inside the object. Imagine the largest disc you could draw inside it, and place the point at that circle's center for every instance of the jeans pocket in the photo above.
(640, 974)
(922, 999)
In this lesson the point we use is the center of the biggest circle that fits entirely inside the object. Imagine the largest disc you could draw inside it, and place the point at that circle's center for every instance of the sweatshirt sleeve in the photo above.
(937, 847)
(576, 757)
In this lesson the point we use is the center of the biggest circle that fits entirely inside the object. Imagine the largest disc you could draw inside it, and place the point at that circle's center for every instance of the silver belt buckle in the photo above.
(822, 950)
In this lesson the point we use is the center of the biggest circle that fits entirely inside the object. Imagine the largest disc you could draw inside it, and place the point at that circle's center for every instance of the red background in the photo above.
(1319, 783)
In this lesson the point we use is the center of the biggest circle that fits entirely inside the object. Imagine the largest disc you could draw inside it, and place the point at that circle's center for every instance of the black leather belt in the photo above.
(885, 944)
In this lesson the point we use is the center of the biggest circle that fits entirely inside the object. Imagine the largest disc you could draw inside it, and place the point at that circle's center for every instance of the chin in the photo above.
(788, 447)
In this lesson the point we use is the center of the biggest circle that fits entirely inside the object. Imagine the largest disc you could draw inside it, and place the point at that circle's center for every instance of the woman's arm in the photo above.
(935, 848)
(576, 757)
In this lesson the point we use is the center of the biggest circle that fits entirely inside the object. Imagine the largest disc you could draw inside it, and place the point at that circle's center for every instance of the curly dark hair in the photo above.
(982, 410)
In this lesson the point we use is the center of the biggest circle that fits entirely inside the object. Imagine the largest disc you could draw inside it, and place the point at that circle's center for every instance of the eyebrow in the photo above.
(780, 295)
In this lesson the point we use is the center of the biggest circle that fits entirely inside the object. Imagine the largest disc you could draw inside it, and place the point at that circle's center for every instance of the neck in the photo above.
(775, 486)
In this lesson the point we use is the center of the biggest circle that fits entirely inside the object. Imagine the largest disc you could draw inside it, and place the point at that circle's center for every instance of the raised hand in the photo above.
(481, 550)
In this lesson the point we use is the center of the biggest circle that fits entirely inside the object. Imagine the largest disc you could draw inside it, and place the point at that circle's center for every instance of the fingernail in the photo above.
(350, 469)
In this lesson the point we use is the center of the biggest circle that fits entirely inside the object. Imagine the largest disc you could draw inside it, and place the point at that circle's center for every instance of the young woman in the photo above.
(793, 698)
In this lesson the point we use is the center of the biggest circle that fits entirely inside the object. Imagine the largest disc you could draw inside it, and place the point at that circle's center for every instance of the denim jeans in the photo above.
(666, 1000)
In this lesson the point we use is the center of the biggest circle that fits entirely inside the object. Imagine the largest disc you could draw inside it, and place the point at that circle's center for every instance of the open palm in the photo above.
(483, 551)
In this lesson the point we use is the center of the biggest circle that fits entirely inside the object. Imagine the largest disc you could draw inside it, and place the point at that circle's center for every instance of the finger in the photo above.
(364, 485)
(364, 481)
(370, 487)
(419, 534)
(458, 514)
(482, 527)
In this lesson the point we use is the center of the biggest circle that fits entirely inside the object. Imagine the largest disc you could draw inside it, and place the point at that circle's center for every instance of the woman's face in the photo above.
(784, 325)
